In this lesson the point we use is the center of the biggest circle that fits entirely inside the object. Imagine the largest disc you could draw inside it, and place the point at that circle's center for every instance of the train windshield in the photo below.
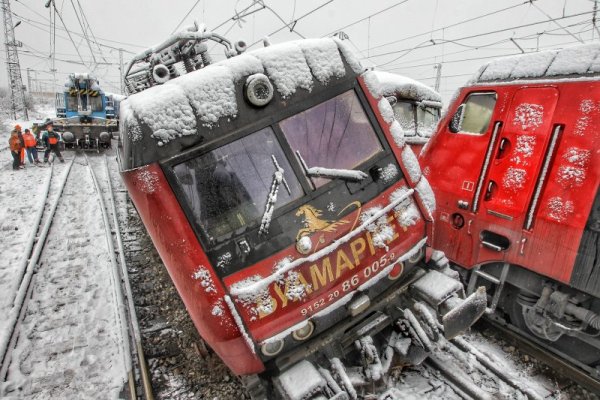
(72, 103)
(228, 188)
(96, 103)
(335, 134)
(427, 119)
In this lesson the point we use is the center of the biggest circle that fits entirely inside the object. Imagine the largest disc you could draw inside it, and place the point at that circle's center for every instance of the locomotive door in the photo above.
(515, 164)
(460, 150)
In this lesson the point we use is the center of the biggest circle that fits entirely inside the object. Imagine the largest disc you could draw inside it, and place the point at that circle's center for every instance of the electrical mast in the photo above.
(17, 92)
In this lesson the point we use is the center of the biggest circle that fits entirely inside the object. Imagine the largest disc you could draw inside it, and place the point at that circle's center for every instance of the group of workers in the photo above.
(22, 143)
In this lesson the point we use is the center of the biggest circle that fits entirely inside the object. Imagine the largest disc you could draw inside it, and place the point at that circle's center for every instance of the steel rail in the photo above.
(146, 383)
(22, 268)
(15, 312)
(536, 349)
(118, 293)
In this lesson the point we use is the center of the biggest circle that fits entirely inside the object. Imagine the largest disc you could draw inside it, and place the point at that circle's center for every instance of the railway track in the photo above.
(536, 349)
(72, 329)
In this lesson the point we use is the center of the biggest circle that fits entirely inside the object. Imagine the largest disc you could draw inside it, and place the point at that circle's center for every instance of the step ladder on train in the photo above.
(476, 272)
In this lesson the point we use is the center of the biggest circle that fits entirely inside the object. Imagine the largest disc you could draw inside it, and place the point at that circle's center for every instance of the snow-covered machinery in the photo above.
(515, 167)
(183, 52)
(81, 111)
(293, 219)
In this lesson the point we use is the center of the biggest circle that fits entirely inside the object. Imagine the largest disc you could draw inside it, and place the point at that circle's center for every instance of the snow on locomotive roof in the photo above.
(387, 84)
(173, 109)
(576, 61)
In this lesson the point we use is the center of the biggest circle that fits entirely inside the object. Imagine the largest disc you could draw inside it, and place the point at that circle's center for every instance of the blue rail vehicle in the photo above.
(85, 116)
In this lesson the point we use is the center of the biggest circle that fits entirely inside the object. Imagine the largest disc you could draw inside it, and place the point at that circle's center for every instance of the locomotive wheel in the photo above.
(575, 348)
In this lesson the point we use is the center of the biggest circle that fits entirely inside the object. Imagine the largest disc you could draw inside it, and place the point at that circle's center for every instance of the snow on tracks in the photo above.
(68, 342)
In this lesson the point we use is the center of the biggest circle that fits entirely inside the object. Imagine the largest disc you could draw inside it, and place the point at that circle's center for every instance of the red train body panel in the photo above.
(515, 165)
(180, 251)
(455, 163)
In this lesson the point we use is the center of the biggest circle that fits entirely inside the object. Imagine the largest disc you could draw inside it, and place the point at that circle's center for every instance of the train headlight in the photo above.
(396, 271)
(272, 348)
(259, 90)
(416, 257)
(305, 332)
(68, 137)
(304, 245)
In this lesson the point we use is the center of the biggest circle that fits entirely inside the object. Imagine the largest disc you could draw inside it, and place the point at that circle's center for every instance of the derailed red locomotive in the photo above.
(290, 214)
(515, 168)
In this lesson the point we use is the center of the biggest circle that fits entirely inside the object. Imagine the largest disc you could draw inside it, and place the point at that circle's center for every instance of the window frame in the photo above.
(310, 193)
(463, 106)
(250, 225)
(414, 105)
(437, 123)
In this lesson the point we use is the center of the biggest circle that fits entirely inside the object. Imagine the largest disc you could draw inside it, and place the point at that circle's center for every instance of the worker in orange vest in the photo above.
(15, 149)
(30, 142)
(51, 139)
(22, 151)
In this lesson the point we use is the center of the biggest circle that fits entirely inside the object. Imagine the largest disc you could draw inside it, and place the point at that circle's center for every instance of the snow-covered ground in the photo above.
(69, 343)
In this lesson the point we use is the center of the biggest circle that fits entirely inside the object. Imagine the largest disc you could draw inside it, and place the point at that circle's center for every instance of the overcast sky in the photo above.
(407, 37)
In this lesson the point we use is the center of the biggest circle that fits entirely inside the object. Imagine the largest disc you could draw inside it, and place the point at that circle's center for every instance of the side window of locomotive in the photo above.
(228, 188)
(335, 135)
(427, 120)
(404, 113)
(474, 115)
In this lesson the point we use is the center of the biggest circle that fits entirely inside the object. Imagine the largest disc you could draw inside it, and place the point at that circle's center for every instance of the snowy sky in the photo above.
(393, 35)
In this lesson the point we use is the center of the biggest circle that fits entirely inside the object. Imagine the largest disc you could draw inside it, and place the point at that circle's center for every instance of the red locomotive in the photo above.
(278, 190)
(515, 168)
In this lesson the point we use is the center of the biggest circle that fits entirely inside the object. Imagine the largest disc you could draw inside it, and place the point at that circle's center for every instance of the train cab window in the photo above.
(427, 120)
(404, 113)
(474, 115)
(96, 103)
(228, 188)
(71, 103)
(335, 135)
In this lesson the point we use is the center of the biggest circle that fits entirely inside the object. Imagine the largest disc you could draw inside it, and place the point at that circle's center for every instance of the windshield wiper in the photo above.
(321, 172)
(272, 198)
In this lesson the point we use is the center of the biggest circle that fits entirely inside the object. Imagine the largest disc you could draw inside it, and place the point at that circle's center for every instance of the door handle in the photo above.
(503, 148)
(490, 190)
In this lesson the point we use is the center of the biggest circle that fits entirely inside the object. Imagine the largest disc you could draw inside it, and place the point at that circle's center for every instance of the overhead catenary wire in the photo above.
(75, 33)
(482, 47)
(186, 15)
(365, 18)
(56, 12)
(431, 43)
(452, 25)
(87, 39)
(90, 29)
(293, 23)
(241, 14)
(35, 24)
(555, 22)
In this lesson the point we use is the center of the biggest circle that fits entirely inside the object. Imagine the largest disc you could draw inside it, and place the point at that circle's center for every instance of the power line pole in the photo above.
(17, 93)
(595, 27)
(121, 71)
(29, 88)
(438, 76)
